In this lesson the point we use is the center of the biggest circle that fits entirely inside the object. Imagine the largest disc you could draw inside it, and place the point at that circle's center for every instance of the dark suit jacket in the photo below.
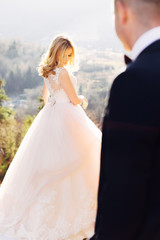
(129, 189)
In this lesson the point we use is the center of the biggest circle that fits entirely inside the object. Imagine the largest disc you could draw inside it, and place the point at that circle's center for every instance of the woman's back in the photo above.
(56, 91)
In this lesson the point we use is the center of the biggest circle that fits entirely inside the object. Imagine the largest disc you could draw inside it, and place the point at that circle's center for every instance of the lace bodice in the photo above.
(56, 92)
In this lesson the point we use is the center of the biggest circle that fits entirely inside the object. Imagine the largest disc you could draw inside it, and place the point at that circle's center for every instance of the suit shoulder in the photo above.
(124, 80)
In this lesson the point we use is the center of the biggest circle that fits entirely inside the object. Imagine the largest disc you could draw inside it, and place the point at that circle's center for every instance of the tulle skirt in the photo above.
(50, 189)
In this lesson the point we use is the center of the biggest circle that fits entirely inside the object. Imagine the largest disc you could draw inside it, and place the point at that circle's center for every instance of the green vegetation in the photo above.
(12, 132)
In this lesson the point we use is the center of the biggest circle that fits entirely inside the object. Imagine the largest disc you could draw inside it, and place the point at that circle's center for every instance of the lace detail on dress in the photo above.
(56, 92)
(65, 229)
(44, 215)
(52, 81)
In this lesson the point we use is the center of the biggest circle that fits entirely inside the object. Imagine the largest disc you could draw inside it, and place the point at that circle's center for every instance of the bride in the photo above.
(50, 189)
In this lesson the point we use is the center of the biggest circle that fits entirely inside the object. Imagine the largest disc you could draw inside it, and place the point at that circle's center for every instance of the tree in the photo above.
(5, 112)
(12, 132)
(13, 50)
(3, 95)
(41, 101)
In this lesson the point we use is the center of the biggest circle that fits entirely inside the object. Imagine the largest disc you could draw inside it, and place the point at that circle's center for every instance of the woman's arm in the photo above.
(45, 93)
(68, 87)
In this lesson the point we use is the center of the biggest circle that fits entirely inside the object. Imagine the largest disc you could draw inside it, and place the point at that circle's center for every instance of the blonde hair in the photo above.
(56, 51)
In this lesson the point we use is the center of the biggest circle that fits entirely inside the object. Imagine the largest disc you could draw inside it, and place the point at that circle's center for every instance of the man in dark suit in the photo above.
(129, 188)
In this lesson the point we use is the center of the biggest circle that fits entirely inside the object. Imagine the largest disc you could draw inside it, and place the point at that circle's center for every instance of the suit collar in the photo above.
(144, 41)
(154, 47)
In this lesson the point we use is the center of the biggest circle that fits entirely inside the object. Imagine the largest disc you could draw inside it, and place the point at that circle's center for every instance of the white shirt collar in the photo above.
(144, 41)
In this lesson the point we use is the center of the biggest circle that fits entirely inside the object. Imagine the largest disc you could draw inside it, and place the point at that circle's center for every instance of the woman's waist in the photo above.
(58, 99)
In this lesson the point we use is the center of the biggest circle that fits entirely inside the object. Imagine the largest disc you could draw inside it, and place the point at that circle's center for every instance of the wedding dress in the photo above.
(50, 189)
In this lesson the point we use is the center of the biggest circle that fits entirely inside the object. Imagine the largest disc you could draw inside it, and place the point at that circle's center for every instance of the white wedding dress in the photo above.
(50, 189)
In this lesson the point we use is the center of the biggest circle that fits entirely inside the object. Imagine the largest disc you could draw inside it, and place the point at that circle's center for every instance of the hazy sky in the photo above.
(40, 20)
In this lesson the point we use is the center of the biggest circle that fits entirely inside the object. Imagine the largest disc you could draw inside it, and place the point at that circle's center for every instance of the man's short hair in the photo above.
(157, 2)
(151, 7)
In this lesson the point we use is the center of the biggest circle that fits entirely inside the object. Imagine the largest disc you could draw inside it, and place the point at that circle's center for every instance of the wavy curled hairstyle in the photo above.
(54, 56)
